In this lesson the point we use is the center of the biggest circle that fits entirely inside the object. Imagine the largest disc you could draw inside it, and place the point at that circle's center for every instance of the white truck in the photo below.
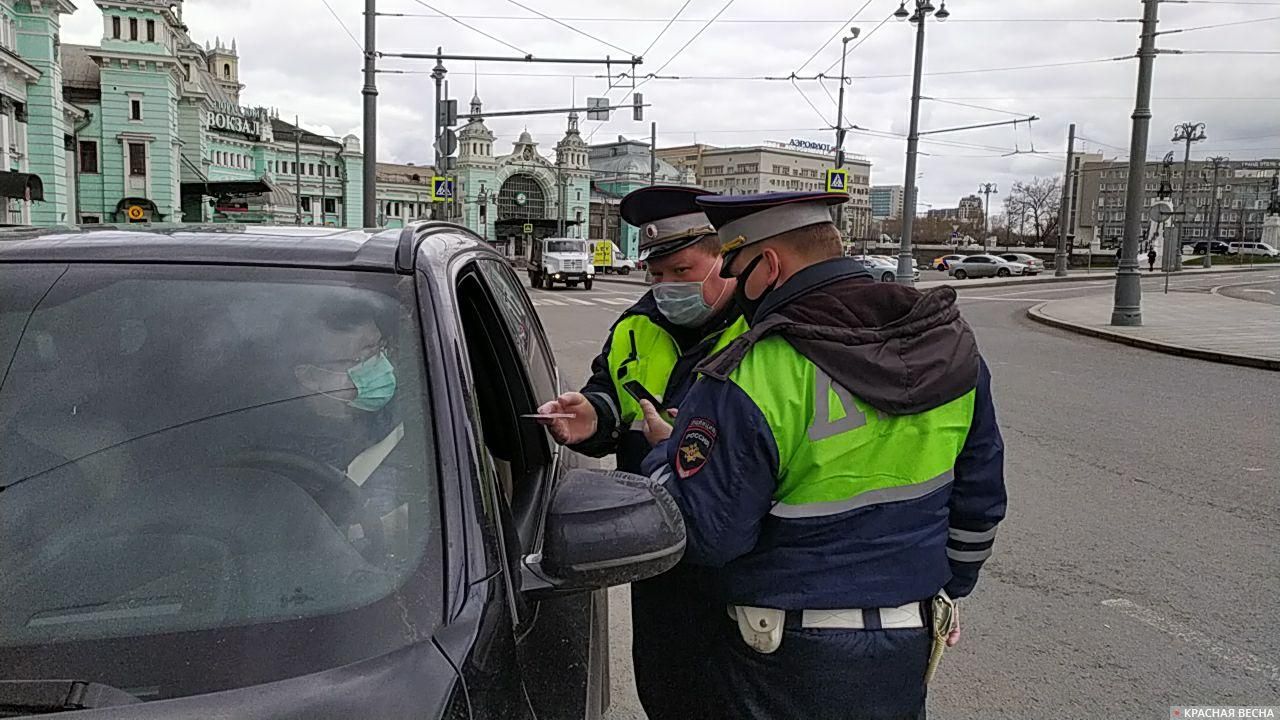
(560, 260)
(607, 258)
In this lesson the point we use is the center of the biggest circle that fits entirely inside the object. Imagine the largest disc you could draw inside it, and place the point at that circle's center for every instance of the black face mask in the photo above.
(748, 306)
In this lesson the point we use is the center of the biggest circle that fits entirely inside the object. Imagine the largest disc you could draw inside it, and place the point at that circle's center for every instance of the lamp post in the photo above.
(1215, 207)
(923, 9)
(987, 189)
(1185, 133)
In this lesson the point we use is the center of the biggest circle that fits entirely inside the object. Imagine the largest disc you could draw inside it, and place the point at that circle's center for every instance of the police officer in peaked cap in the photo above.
(687, 315)
(839, 465)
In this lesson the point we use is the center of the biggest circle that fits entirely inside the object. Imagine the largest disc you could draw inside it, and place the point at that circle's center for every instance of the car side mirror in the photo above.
(604, 528)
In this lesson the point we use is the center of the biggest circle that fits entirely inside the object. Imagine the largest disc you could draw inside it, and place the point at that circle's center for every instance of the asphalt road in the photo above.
(1138, 568)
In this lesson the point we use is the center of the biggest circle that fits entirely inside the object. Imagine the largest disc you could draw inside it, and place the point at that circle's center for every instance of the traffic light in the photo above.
(637, 107)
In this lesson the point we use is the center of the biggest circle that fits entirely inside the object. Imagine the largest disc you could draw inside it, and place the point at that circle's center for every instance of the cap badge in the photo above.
(733, 244)
(651, 231)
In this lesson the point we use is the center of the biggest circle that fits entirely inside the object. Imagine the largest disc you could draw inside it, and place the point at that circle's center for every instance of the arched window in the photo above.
(226, 70)
(522, 197)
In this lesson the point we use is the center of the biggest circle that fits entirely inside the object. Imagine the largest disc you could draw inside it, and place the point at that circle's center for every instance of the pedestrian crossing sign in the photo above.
(837, 180)
(441, 189)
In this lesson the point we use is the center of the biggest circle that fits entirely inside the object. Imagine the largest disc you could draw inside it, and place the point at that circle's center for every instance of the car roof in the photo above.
(286, 246)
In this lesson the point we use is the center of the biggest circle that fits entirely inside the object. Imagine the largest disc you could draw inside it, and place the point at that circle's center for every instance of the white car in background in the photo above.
(1034, 265)
(980, 266)
(885, 268)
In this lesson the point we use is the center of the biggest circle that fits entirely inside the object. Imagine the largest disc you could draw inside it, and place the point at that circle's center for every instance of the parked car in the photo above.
(884, 268)
(942, 263)
(1034, 265)
(1219, 247)
(979, 266)
(1252, 248)
(287, 473)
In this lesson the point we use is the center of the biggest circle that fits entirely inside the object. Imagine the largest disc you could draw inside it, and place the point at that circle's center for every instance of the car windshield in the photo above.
(223, 475)
(566, 246)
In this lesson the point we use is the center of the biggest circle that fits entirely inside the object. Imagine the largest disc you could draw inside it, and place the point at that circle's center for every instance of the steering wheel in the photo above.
(336, 493)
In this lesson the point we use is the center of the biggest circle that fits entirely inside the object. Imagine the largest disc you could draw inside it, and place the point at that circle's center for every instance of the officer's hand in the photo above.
(656, 427)
(570, 431)
(954, 636)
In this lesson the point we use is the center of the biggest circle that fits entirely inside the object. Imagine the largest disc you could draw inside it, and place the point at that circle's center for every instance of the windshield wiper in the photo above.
(39, 697)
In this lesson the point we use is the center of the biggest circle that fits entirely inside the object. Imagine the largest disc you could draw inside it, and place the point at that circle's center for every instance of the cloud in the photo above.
(296, 57)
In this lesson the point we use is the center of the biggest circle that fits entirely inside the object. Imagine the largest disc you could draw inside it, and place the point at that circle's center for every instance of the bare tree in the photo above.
(1033, 206)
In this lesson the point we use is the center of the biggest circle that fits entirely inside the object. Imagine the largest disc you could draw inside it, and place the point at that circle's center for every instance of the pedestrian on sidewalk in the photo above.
(687, 315)
(1151, 259)
(841, 467)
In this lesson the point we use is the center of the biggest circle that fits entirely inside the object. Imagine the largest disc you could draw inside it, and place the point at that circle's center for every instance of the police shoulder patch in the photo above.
(694, 447)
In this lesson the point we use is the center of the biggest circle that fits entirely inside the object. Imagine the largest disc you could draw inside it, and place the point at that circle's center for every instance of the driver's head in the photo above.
(353, 369)
(682, 250)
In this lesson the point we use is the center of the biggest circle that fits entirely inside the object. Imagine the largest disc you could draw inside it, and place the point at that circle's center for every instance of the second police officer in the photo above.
(841, 467)
(687, 314)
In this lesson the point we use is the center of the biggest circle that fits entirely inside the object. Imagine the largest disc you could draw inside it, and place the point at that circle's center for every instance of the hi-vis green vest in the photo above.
(837, 453)
(642, 351)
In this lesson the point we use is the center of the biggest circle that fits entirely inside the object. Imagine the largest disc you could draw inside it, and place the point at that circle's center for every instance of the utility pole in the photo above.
(1217, 212)
(840, 131)
(370, 92)
(987, 189)
(1187, 133)
(324, 187)
(1063, 256)
(297, 170)
(653, 153)
(437, 74)
(1127, 310)
(905, 275)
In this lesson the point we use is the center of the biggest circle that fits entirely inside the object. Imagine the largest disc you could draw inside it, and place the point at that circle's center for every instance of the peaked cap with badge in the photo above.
(668, 217)
(743, 220)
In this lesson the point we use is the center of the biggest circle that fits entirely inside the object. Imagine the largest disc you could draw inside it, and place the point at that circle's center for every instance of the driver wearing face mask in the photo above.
(688, 315)
(353, 385)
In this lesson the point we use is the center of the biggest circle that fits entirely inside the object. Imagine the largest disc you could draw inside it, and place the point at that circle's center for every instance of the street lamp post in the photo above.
(1186, 133)
(987, 189)
(923, 8)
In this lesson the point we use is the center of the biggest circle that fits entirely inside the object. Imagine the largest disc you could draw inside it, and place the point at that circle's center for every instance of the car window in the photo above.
(209, 455)
(501, 383)
(524, 325)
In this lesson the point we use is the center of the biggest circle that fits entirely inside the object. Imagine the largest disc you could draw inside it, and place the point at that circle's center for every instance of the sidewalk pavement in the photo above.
(1199, 325)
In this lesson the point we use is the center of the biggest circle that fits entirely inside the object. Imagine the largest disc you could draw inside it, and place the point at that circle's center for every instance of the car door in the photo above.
(560, 643)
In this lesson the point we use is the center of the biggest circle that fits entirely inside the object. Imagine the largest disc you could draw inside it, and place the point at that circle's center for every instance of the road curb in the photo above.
(1037, 314)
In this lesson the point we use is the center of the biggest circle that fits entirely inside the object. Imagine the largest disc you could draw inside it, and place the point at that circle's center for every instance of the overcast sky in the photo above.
(295, 56)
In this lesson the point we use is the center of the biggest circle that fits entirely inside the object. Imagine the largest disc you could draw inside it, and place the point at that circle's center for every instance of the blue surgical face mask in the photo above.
(682, 302)
(375, 381)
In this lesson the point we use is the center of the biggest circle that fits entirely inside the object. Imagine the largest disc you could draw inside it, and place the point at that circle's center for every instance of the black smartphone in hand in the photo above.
(639, 392)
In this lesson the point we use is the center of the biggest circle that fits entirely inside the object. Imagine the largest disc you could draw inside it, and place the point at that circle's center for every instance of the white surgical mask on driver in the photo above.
(682, 302)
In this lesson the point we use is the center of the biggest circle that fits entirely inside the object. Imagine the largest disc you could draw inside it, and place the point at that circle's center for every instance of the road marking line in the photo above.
(576, 301)
(617, 301)
(1220, 650)
(539, 302)
(1004, 299)
(1258, 290)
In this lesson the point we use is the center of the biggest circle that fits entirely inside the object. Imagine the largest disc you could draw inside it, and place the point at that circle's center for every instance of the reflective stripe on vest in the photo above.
(836, 453)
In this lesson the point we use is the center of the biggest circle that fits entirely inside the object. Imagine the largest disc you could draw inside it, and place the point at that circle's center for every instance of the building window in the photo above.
(151, 31)
(137, 160)
(226, 70)
(331, 205)
(311, 168)
(88, 157)
(306, 204)
(115, 28)
(135, 109)
(133, 28)
(186, 69)
(90, 219)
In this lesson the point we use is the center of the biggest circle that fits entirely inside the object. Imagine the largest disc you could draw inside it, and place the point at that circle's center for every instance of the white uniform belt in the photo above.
(911, 615)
